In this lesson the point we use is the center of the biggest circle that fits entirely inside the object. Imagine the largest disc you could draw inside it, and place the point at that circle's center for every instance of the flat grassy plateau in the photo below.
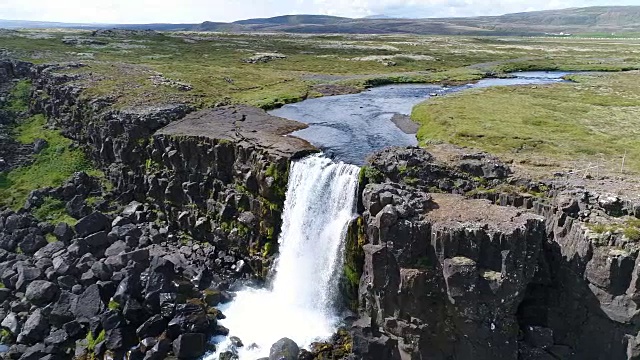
(591, 121)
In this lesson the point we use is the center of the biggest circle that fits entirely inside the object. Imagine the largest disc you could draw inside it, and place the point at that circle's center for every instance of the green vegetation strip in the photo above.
(591, 120)
(50, 168)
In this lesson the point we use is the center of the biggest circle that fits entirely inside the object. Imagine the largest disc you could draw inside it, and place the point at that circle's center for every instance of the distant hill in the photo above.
(378, 17)
(22, 24)
(294, 20)
(599, 19)
(575, 20)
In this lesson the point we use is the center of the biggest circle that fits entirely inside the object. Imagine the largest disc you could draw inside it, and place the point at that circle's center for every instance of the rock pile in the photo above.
(108, 285)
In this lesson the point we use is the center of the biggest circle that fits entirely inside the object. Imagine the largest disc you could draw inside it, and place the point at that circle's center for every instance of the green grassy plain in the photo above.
(595, 118)
(212, 63)
(592, 120)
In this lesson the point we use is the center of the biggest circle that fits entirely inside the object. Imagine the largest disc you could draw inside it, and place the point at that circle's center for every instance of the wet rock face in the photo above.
(440, 270)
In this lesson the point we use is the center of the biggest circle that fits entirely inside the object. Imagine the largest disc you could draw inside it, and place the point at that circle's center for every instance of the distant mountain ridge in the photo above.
(598, 19)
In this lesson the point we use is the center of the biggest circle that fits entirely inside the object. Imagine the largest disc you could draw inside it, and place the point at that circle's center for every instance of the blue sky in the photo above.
(195, 11)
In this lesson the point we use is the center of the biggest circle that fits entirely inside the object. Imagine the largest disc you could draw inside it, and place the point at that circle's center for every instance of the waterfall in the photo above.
(320, 203)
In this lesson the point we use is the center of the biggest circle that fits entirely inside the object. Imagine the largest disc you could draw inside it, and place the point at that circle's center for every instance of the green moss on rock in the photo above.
(353, 263)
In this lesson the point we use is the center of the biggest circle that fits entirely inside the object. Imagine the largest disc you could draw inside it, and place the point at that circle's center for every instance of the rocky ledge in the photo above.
(445, 274)
(245, 126)
(194, 208)
(508, 268)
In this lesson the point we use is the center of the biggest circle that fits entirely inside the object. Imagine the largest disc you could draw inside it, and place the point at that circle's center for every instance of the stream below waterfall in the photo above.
(320, 203)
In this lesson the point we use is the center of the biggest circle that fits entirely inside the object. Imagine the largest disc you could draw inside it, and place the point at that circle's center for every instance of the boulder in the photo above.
(11, 323)
(57, 337)
(26, 275)
(41, 292)
(92, 223)
(134, 312)
(35, 328)
(188, 318)
(116, 248)
(77, 207)
(97, 241)
(284, 349)
(112, 319)
(89, 304)
(39, 145)
(49, 250)
(131, 209)
(189, 346)
(120, 338)
(35, 352)
(63, 232)
(32, 243)
(152, 327)
(61, 311)
(73, 328)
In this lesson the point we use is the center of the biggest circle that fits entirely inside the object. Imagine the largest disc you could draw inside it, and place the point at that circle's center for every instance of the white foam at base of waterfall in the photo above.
(301, 304)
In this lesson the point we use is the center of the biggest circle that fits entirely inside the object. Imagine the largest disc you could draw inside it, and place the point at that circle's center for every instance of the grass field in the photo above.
(212, 63)
(594, 120)
(51, 167)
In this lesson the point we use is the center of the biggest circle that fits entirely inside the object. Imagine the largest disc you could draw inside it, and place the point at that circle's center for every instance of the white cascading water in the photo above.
(320, 203)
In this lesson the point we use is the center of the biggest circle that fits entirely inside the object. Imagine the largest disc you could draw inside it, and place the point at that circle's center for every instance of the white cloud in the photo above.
(194, 11)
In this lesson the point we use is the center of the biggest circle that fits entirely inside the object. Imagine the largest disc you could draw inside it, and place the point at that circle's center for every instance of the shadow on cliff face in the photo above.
(561, 313)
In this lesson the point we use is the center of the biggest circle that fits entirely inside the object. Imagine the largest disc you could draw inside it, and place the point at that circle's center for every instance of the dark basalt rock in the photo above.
(35, 352)
(89, 304)
(189, 346)
(152, 327)
(489, 273)
(11, 323)
(120, 338)
(26, 275)
(61, 311)
(57, 338)
(189, 318)
(77, 207)
(32, 242)
(134, 312)
(284, 349)
(92, 224)
(73, 328)
(64, 232)
(41, 292)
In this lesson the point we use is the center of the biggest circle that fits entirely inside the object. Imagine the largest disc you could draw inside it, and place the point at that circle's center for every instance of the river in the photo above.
(351, 127)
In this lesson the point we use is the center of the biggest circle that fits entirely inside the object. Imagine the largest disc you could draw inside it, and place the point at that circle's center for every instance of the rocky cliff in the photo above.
(522, 275)
(219, 175)
(195, 203)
